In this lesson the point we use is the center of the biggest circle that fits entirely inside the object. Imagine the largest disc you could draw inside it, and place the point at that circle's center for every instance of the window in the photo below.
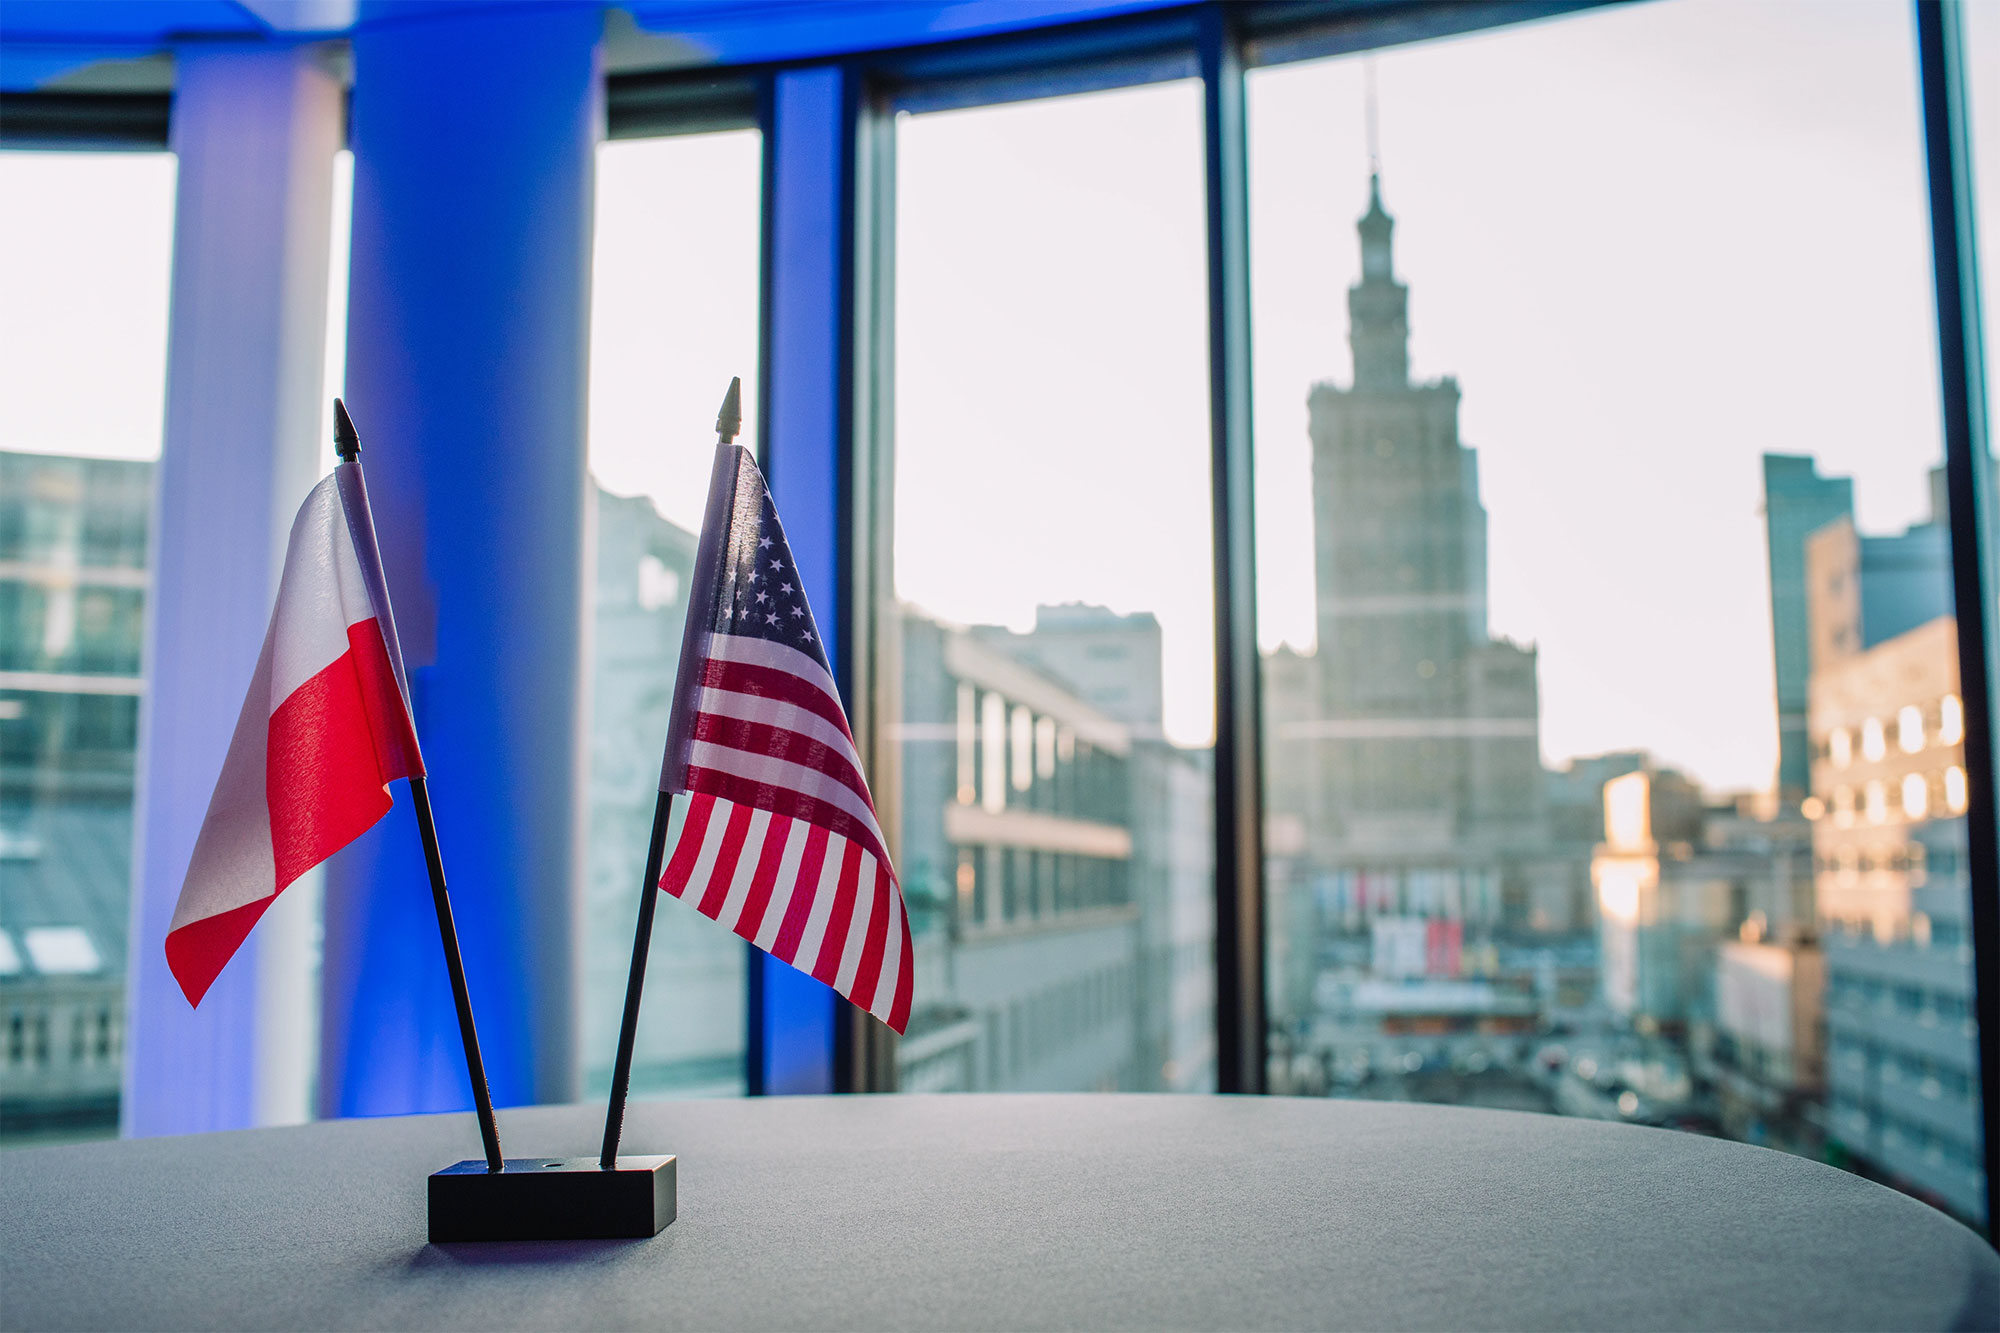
(1054, 641)
(1488, 761)
(674, 312)
(85, 249)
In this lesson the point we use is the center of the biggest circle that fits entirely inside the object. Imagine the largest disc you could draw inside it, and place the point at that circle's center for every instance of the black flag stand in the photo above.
(354, 501)
(522, 1198)
(727, 422)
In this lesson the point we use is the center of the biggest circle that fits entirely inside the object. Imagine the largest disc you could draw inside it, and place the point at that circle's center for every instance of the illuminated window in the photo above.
(1916, 796)
(1954, 790)
(968, 743)
(1021, 735)
(1843, 806)
(1873, 744)
(1876, 799)
(1045, 748)
(993, 752)
(1951, 720)
(1910, 729)
(1840, 746)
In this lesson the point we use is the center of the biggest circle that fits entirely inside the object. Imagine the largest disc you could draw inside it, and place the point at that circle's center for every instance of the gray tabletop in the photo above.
(997, 1212)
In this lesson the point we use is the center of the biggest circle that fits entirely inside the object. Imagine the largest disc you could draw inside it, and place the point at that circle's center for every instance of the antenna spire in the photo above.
(346, 443)
(730, 419)
(1374, 119)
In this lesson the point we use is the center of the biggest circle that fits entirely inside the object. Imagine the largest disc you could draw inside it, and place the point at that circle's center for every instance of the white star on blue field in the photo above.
(760, 593)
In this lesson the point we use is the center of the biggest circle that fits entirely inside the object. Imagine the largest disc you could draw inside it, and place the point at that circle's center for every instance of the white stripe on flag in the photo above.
(724, 647)
(892, 961)
(746, 868)
(786, 887)
(857, 928)
(823, 896)
(711, 848)
(780, 714)
(769, 771)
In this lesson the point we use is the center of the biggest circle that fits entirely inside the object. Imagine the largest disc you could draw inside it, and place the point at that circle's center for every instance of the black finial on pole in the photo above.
(346, 443)
(730, 419)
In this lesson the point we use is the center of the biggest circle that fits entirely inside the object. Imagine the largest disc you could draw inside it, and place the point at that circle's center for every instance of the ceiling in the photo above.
(83, 45)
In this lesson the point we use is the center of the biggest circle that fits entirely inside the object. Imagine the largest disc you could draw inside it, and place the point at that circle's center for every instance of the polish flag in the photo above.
(324, 731)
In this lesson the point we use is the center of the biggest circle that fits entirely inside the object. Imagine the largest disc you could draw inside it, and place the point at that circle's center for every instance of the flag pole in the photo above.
(347, 444)
(727, 423)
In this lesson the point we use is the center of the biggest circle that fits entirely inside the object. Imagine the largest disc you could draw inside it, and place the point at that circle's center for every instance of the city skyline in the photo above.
(1484, 305)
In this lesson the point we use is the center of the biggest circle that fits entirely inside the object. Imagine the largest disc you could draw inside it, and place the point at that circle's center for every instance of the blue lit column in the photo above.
(255, 132)
(809, 151)
(474, 140)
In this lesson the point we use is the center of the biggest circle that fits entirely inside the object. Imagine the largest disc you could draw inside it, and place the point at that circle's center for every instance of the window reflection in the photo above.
(668, 331)
(1051, 713)
(1610, 708)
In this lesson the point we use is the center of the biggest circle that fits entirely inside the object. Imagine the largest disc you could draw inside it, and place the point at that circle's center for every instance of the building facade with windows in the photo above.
(73, 584)
(1893, 890)
(1055, 864)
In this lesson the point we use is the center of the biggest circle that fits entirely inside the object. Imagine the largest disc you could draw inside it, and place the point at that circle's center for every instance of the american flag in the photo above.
(777, 838)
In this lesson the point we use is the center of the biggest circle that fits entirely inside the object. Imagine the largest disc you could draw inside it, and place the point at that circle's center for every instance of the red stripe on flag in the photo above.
(805, 889)
(688, 850)
(770, 683)
(710, 905)
(899, 1012)
(834, 943)
(869, 974)
(796, 747)
(784, 801)
(332, 754)
(758, 901)
(197, 952)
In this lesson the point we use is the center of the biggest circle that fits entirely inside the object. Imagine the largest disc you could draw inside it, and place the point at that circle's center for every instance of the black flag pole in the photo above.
(727, 423)
(361, 522)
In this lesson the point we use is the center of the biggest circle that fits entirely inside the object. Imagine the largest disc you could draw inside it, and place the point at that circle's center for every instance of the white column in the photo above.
(255, 131)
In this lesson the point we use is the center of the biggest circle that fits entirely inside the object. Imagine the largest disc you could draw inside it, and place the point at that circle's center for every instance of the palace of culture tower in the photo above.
(1405, 752)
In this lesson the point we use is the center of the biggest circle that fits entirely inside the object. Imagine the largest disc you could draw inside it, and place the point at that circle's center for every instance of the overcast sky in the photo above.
(1651, 244)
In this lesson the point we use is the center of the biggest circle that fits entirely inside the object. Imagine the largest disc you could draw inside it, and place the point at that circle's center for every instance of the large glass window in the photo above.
(1614, 757)
(1044, 763)
(674, 314)
(85, 250)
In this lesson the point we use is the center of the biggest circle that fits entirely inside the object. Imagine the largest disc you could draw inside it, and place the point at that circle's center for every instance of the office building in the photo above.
(1797, 503)
(73, 586)
(685, 1043)
(1054, 855)
(1894, 891)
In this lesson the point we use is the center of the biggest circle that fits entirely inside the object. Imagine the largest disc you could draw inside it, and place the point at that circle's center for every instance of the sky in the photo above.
(1650, 243)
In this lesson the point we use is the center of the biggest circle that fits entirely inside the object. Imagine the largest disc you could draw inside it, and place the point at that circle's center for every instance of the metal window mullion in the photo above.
(1968, 489)
(867, 1058)
(1239, 903)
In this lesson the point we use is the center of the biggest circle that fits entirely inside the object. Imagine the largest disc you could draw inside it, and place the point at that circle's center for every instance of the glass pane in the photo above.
(1044, 765)
(85, 253)
(674, 314)
(1610, 683)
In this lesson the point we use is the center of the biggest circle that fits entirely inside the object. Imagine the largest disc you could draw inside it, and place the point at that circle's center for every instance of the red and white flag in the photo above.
(778, 838)
(323, 732)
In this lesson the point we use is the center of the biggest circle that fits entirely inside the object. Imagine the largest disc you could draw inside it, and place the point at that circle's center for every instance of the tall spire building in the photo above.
(1413, 744)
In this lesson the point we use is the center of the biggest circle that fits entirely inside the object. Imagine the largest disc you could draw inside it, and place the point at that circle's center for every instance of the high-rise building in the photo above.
(1407, 747)
(1797, 503)
(1893, 886)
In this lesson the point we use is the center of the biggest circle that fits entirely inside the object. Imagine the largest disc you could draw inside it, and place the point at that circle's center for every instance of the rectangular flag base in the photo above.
(551, 1198)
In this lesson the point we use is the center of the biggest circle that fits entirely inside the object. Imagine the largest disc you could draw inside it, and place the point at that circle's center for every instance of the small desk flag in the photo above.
(778, 839)
(322, 733)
